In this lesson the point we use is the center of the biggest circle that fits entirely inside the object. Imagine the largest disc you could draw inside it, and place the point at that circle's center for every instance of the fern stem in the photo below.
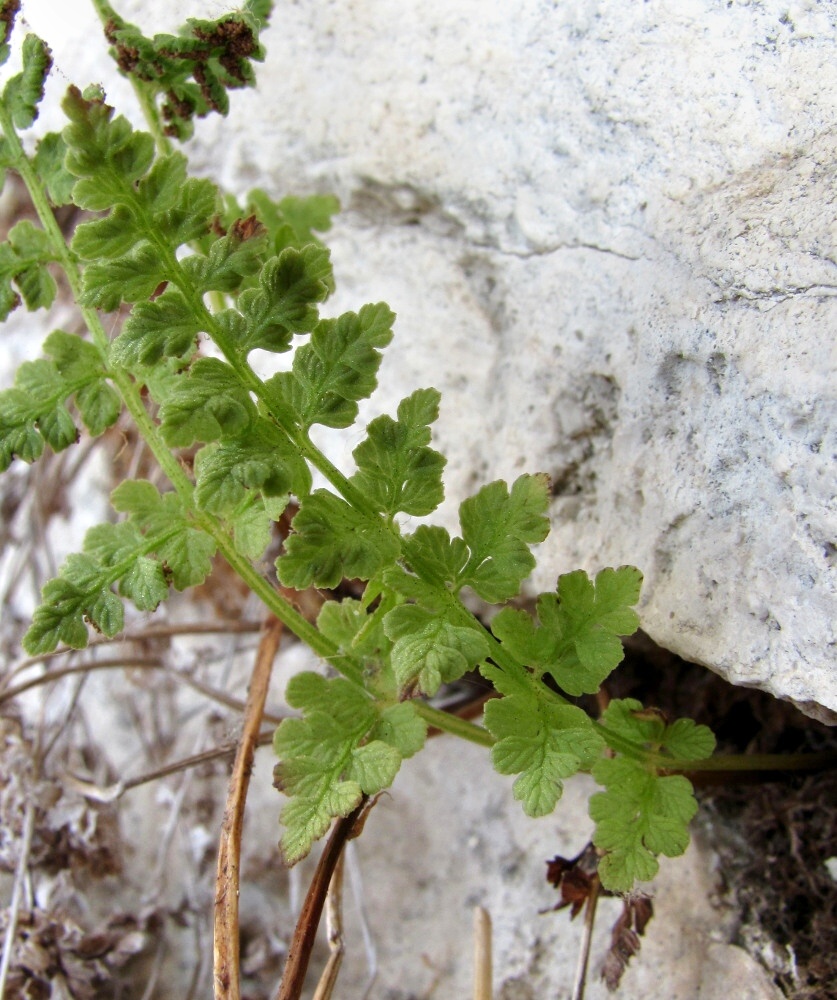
(454, 725)
(823, 761)
(621, 744)
(343, 486)
(279, 605)
(152, 116)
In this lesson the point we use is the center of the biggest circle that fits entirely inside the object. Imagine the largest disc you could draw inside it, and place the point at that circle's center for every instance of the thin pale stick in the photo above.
(226, 973)
(149, 632)
(110, 793)
(334, 930)
(199, 758)
(67, 717)
(356, 883)
(483, 983)
(140, 663)
(222, 697)
(586, 940)
(156, 968)
(17, 892)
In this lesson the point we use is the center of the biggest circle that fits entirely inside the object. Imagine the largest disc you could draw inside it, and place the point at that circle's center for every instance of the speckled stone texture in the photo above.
(609, 233)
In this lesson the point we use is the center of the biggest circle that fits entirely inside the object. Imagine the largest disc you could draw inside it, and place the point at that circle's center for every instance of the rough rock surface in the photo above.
(609, 234)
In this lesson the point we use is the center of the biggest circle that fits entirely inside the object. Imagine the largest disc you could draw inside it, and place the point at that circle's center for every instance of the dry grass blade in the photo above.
(483, 985)
(226, 973)
(111, 793)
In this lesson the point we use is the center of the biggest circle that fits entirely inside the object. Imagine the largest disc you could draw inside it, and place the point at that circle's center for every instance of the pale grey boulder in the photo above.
(608, 231)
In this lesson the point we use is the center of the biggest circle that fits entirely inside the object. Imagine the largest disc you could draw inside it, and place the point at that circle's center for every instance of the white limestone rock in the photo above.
(609, 233)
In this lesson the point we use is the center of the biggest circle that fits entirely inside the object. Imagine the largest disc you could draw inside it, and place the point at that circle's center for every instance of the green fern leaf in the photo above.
(397, 470)
(331, 541)
(539, 739)
(577, 640)
(642, 814)
(343, 748)
(25, 91)
(499, 525)
(337, 368)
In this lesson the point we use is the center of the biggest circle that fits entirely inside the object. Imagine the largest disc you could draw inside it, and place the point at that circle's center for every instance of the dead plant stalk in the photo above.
(226, 972)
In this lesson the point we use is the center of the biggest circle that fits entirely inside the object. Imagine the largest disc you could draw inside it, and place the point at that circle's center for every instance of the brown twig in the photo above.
(225, 750)
(302, 944)
(226, 949)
